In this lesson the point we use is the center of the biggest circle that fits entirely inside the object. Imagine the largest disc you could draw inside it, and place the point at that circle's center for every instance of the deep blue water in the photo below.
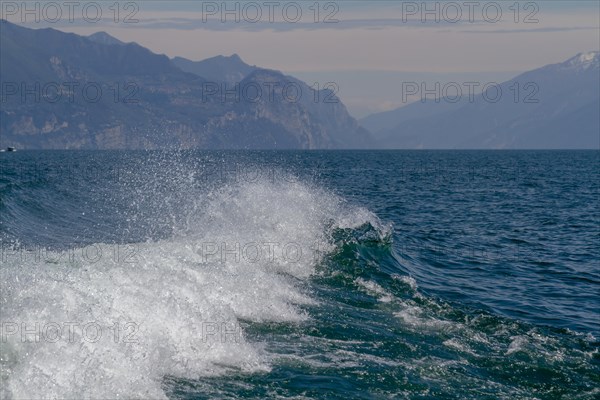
(354, 274)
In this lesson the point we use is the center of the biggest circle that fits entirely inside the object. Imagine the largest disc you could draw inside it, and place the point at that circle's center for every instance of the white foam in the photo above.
(409, 280)
(375, 289)
(176, 304)
(517, 344)
(413, 316)
(458, 345)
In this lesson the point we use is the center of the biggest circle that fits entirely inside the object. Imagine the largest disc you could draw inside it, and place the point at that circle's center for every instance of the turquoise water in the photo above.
(399, 274)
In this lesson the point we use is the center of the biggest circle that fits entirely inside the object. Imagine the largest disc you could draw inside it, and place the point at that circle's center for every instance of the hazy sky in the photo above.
(367, 48)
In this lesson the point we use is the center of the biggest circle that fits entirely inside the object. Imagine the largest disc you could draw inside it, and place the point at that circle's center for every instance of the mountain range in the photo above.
(66, 91)
(554, 107)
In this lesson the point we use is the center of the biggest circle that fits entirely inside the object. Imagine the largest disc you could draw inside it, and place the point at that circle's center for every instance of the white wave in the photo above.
(108, 321)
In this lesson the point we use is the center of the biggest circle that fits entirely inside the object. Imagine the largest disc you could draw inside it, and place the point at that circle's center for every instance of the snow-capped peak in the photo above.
(584, 61)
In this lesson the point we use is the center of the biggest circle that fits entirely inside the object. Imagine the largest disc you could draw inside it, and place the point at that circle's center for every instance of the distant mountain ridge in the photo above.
(175, 105)
(104, 38)
(553, 107)
(148, 101)
(217, 69)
